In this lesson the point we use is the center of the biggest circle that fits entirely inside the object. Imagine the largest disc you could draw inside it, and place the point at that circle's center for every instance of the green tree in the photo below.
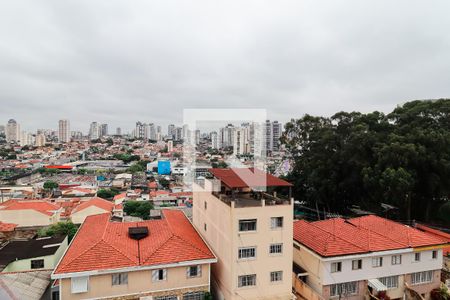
(107, 193)
(60, 228)
(139, 209)
(164, 182)
(50, 185)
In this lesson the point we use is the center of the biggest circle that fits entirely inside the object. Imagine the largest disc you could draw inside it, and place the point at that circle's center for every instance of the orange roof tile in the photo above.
(95, 201)
(233, 178)
(171, 239)
(37, 205)
(335, 237)
(7, 227)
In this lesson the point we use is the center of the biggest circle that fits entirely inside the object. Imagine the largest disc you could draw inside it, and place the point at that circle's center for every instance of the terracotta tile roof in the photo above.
(120, 196)
(253, 178)
(335, 237)
(37, 205)
(95, 201)
(171, 239)
(438, 233)
(7, 227)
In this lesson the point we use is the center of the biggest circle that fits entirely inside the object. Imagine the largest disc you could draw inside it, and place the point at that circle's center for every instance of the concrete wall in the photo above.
(26, 217)
(223, 236)
(311, 264)
(426, 288)
(139, 284)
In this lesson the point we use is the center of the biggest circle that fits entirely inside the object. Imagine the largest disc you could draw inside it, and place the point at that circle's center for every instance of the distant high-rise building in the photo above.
(170, 130)
(152, 131)
(214, 140)
(94, 131)
(2, 129)
(177, 133)
(76, 135)
(197, 137)
(64, 131)
(40, 140)
(12, 131)
(141, 131)
(25, 139)
(226, 136)
(169, 146)
(103, 130)
(241, 141)
(118, 131)
(273, 131)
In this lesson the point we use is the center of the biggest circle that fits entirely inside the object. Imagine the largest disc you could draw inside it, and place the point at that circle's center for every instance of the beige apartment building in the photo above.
(249, 230)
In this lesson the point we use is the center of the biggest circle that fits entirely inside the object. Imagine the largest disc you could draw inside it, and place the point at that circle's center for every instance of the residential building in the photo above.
(94, 131)
(350, 258)
(197, 137)
(12, 131)
(214, 140)
(170, 130)
(29, 212)
(241, 140)
(2, 130)
(156, 259)
(93, 206)
(25, 285)
(64, 131)
(169, 146)
(249, 230)
(142, 131)
(26, 139)
(36, 254)
(103, 130)
(40, 140)
(273, 131)
(118, 131)
(226, 136)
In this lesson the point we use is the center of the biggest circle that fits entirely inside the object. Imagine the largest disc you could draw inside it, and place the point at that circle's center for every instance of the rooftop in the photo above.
(171, 239)
(41, 206)
(336, 237)
(247, 178)
(24, 249)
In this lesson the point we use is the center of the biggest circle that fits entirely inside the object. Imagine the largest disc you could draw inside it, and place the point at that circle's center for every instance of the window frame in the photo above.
(434, 254)
(247, 222)
(276, 223)
(391, 282)
(334, 288)
(249, 278)
(422, 277)
(243, 249)
(417, 257)
(158, 273)
(37, 261)
(198, 271)
(278, 275)
(275, 246)
(396, 259)
(119, 279)
(359, 264)
(79, 291)
(338, 268)
(377, 262)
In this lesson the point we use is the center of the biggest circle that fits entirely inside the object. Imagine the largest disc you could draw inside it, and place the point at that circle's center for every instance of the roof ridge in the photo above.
(157, 248)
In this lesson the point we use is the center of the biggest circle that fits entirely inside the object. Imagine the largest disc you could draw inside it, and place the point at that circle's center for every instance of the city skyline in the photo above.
(290, 58)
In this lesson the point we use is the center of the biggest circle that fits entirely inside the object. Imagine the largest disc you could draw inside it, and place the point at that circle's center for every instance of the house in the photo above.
(35, 254)
(155, 259)
(29, 212)
(250, 231)
(352, 257)
(93, 206)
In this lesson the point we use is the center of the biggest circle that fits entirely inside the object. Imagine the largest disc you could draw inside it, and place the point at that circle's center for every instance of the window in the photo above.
(247, 280)
(168, 297)
(79, 284)
(119, 278)
(396, 259)
(434, 254)
(422, 277)
(417, 256)
(357, 264)
(204, 226)
(276, 222)
(276, 276)
(390, 282)
(336, 267)
(344, 289)
(377, 262)
(37, 263)
(159, 275)
(247, 252)
(194, 271)
(276, 248)
(247, 225)
(194, 296)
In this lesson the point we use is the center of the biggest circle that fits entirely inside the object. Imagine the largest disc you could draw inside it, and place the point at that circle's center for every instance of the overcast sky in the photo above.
(123, 61)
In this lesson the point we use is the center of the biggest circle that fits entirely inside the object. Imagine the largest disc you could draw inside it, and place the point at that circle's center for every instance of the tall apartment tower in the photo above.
(40, 140)
(170, 130)
(226, 136)
(152, 131)
(64, 131)
(273, 131)
(94, 131)
(118, 131)
(12, 131)
(214, 140)
(241, 140)
(103, 130)
(249, 230)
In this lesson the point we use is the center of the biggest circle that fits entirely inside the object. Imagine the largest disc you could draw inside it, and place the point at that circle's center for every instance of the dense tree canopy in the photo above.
(60, 228)
(138, 209)
(402, 159)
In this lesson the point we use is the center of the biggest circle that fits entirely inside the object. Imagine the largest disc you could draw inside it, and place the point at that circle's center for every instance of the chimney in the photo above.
(138, 233)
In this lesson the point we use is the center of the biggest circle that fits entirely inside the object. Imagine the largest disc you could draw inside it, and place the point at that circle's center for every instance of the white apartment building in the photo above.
(241, 140)
(94, 131)
(12, 131)
(64, 131)
(273, 131)
(348, 259)
(249, 230)
(214, 140)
